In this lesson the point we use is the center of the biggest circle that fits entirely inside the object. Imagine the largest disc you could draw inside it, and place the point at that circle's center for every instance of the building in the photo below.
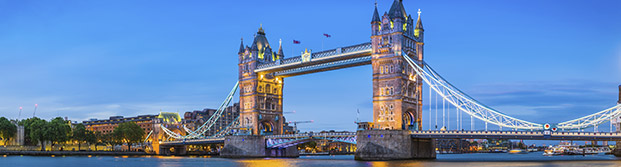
(197, 118)
(194, 119)
(148, 123)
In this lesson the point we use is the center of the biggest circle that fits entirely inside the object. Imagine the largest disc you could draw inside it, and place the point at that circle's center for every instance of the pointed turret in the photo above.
(619, 102)
(419, 31)
(419, 22)
(280, 52)
(241, 47)
(376, 17)
(397, 10)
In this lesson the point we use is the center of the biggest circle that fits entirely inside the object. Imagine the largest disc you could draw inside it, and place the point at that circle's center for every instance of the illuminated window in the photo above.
(381, 69)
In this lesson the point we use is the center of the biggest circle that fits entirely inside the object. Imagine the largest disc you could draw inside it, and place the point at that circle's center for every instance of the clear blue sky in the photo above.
(543, 61)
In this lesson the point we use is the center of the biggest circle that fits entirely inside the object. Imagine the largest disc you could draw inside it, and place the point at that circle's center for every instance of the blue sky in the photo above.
(543, 61)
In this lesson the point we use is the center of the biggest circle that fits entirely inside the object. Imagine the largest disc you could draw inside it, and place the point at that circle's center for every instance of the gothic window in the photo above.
(275, 90)
(392, 69)
(381, 69)
(391, 91)
(260, 88)
(267, 87)
(387, 91)
(386, 70)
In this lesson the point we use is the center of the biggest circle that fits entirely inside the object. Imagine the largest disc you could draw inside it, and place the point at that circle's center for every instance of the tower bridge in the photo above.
(395, 54)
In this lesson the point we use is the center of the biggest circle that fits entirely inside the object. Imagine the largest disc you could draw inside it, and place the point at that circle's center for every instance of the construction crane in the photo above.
(295, 124)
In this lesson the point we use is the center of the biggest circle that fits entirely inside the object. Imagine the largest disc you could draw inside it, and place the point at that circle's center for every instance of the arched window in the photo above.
(381, 69)
(392, 69)
(392, 91)
(267, 87)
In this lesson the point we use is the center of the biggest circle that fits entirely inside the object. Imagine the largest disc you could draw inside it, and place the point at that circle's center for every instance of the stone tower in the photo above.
(260, 94)
(397, 89)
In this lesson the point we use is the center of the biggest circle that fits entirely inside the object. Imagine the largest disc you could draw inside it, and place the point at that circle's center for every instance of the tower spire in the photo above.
(376, 17)
(241, 46)
(419, 22)
(280, 52)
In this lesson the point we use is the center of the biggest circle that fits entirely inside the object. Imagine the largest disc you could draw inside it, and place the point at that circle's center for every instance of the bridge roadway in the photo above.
(282, 141)
(525, 135)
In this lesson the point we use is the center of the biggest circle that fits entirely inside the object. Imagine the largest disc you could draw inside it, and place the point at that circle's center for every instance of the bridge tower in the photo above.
(260, 94)
(397, 90)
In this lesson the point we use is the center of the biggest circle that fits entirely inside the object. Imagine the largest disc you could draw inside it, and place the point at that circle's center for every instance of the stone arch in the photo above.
(409, 120)
(266, 127)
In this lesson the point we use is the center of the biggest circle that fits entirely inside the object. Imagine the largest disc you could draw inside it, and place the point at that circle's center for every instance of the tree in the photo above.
(90, 138)
(128, 132)
(7, 129)
(39, 131)
(79, 134)
(59, 130)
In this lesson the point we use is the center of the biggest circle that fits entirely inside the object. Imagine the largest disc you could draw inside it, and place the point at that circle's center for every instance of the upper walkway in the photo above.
(338, 58)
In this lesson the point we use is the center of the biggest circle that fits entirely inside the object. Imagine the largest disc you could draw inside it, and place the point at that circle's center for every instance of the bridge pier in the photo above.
(392, 145)
(172, 150)
(250, 146)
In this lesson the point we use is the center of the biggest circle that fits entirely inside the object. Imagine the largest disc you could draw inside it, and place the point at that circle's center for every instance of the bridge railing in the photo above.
(317, 55)
(299, 135)
(517, 133)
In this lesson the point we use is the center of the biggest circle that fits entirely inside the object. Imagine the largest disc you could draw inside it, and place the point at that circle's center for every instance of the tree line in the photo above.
(59, 131)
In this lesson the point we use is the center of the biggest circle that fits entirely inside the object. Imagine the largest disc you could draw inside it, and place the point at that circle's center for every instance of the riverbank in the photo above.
(72, 153)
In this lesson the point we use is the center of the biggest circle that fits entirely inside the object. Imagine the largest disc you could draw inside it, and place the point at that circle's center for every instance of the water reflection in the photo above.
(267, 162)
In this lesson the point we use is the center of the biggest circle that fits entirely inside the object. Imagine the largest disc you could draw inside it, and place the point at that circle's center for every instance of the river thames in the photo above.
(461, 160)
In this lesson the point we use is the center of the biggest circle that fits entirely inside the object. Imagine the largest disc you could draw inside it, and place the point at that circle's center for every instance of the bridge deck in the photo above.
(525, 135)
(338, 58)
(193, 141)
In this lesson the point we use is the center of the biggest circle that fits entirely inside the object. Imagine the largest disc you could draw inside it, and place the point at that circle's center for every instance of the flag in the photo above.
(296, 42)
(327, 35)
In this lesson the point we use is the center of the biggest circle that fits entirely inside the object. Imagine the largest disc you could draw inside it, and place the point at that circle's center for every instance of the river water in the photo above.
(448, 160)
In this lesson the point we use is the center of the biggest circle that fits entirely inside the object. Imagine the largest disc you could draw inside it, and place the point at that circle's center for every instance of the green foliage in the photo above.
(7, 129)
(79, 134)
(128, 132)
(40, 131)
(59, 129)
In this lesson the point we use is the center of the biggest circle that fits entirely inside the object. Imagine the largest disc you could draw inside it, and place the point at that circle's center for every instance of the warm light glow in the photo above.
(391, 25)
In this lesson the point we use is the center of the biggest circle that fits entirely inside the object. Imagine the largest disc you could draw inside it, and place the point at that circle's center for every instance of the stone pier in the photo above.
(172, 150)
(392, 145)
(250, 146)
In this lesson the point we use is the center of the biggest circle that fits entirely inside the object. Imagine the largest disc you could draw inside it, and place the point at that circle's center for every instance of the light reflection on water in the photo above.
(449, 160)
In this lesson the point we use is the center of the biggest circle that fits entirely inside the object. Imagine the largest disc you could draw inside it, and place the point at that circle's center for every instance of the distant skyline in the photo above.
(541, 61)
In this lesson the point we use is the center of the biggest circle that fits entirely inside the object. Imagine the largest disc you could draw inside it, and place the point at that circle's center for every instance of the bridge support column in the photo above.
(392, 145)
(172, 150)
(246, 146)
(250, 146)
(617, 150)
